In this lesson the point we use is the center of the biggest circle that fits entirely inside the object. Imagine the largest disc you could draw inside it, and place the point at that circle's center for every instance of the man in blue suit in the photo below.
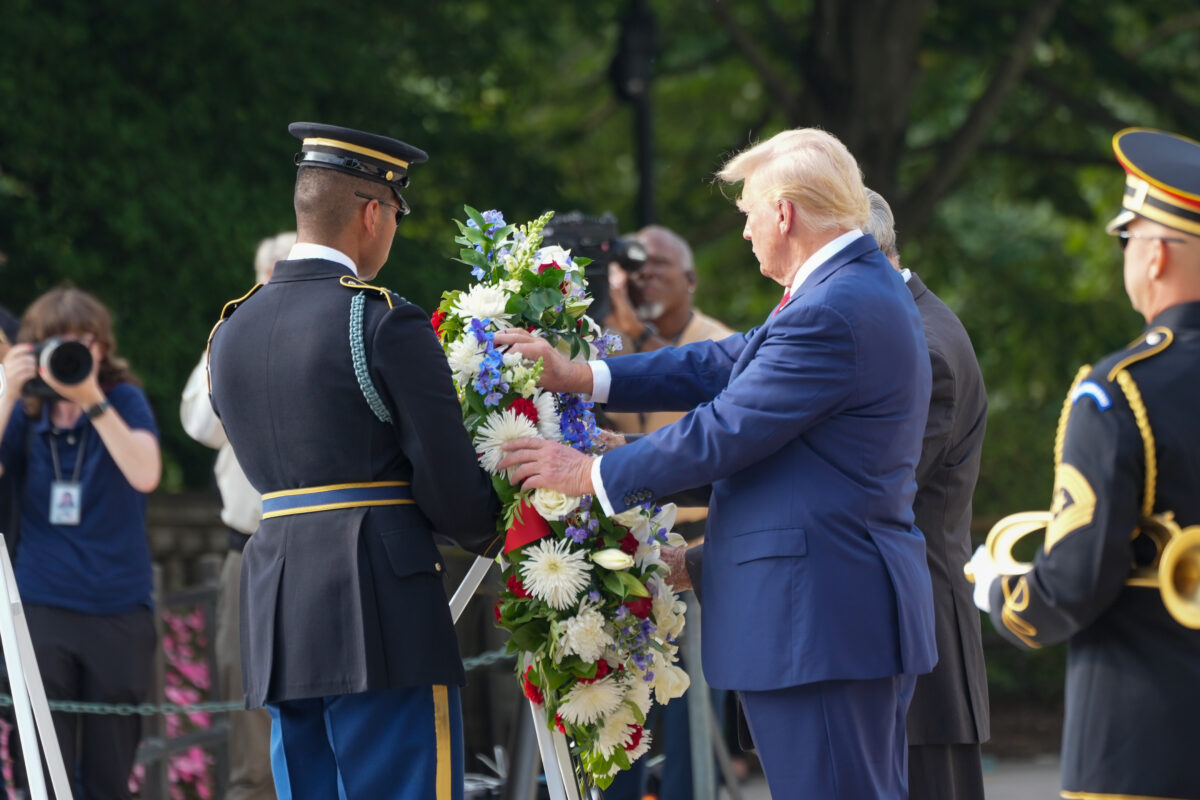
(817, 599)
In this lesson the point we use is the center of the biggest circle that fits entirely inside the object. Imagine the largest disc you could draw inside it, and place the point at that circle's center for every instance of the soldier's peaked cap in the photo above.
(367, 155)
(1162, 179)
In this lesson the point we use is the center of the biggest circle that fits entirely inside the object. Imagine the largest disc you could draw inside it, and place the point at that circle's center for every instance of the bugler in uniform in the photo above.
(339, 404)
(1127, 479)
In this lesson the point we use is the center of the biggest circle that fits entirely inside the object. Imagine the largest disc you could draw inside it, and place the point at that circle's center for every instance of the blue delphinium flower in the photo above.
(577, 422)
(608, 344)
(489, 382)
(495, 221)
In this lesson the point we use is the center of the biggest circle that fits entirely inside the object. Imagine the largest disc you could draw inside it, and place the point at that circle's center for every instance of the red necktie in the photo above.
(787, 295)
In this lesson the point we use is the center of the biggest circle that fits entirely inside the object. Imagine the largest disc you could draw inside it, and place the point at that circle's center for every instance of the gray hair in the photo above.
(882, 225)
(272, 249)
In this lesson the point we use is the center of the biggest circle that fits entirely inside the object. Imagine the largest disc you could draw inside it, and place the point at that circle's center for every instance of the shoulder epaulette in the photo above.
(232, 305)
(228, 309)
(387, 294)
(1150, 343)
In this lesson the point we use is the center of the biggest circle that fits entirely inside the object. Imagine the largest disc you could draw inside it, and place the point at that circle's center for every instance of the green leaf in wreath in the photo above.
(632, 585)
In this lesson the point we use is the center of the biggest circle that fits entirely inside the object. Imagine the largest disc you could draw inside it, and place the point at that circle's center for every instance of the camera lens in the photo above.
(68, 362)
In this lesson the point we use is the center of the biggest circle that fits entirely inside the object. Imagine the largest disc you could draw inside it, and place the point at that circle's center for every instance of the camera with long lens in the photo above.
(596, 238)
(67, 361)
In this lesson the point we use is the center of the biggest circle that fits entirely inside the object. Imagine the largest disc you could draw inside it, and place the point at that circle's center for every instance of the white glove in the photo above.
(986, 573)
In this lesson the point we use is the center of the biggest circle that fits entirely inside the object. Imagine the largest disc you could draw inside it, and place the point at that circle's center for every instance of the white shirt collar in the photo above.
(821, 256)
(312, 250)
(906, 273)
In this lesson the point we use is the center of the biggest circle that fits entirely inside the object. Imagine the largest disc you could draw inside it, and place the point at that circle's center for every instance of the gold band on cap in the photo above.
(1133, 169)
(1148, 201)
(353, 148)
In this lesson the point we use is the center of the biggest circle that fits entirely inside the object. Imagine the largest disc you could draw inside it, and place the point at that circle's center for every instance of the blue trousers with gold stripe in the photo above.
(396, 744)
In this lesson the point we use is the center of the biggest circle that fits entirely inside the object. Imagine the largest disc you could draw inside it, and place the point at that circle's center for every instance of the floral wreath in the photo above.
(585, 599)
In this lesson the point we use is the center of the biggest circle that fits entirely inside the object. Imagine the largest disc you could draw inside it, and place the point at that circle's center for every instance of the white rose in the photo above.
(629, 517)
(669, 682)
(612, 558)
(553, 505)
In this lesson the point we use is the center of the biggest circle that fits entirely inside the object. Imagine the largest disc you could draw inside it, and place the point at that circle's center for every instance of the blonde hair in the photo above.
(272, 249)
(810, 168)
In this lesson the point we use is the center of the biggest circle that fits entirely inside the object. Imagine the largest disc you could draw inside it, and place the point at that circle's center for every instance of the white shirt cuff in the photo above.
(598, 488)
(601, 381)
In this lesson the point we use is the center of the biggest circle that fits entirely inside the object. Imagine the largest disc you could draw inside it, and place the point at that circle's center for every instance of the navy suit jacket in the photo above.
(809, 429)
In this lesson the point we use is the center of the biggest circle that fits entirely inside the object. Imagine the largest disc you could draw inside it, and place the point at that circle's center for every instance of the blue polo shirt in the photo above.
(102, 565)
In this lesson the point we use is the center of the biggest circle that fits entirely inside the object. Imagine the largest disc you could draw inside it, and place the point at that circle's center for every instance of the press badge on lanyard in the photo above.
(66, 497)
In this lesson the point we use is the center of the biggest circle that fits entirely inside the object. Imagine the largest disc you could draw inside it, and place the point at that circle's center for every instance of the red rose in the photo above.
(635, 738)
(525, 407)
(640, 606)
(558, 723)
(530, 689)
(602, 669)
(516, 587)
(496, 610)
(628, 544)
(436, 320)
(548, 265)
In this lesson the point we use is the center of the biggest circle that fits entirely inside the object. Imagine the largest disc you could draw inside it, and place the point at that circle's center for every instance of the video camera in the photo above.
(595, 238)
(68, 361)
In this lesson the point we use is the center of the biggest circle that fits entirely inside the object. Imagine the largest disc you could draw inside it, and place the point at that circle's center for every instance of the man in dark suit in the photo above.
(339, 404)
(949, 717)
(1116, 575)
(817, 599)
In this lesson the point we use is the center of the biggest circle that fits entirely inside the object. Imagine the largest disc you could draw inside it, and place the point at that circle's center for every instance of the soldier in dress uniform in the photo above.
(339, 404)
(1127, 475)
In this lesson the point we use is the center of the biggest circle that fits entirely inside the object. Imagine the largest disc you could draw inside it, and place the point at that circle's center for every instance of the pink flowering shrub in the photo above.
(186, 682)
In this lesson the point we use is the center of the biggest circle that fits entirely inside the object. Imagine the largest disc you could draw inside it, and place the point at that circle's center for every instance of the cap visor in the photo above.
(1120, 221)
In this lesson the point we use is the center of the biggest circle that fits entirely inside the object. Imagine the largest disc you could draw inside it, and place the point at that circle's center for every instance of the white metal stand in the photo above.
(562, 781)
(29, 695)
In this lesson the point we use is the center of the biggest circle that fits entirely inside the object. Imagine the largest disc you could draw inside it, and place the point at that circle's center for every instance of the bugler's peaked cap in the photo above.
(366, 155)
(1162, 179)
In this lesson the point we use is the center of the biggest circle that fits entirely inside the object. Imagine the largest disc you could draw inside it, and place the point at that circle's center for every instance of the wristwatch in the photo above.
(96, 410)
(648, 330)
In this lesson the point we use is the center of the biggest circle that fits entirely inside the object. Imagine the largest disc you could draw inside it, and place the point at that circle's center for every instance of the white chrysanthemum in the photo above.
(585, 636)
(498, 428)
(554, 573)
(481, 301)
(464, 358)
(614, 731)
(547, 411)
(587, 702)
(667, 609)
(637, 691)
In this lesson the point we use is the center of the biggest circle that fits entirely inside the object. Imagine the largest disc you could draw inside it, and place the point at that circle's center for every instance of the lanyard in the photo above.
(78, 456)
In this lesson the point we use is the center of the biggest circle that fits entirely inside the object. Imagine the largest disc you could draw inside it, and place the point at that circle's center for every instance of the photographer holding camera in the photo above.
(651, 306)
(84, 446)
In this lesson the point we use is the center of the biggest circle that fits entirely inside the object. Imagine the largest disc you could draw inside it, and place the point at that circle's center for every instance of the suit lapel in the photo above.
(916, 286)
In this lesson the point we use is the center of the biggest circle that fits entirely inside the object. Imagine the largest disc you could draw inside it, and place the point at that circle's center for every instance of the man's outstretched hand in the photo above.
(559, 373)
(542, 464)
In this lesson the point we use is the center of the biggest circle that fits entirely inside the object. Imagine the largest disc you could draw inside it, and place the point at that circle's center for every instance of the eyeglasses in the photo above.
(1123, 238)
(401, 210)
